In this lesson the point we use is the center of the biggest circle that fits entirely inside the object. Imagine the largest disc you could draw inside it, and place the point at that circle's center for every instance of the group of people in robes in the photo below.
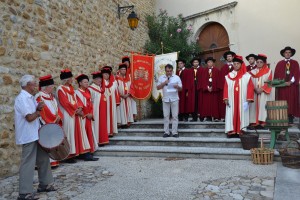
(93, 112)
(236, 93)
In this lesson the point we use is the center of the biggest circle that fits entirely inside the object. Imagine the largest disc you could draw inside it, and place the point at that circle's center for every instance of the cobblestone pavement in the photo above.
(239, 187)
(70, 181)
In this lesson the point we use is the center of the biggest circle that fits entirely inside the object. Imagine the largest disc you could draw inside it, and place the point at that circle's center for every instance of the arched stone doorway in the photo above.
(214, 41)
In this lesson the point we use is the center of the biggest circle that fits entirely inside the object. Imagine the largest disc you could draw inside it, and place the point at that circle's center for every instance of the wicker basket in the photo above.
(290, 156)
(262, 156)
(249, 140)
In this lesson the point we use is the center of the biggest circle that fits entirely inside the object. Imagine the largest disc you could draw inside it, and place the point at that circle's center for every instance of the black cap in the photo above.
(64, 74)
(228, 53)
(251, 55)
(81, 77)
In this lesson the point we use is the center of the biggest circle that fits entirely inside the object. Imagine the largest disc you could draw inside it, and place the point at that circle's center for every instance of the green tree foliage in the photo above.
(173, 32)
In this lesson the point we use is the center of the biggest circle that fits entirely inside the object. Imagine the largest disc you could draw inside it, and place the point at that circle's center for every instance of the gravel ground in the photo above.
(160, 178)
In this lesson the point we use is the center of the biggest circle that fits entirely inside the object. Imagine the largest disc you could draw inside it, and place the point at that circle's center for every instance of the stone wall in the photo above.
(42, 37)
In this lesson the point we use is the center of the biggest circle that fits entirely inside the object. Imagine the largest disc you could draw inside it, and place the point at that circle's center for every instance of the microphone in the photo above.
(168, 79)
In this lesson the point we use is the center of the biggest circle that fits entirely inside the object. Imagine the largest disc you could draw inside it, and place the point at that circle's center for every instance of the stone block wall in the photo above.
(42, 37)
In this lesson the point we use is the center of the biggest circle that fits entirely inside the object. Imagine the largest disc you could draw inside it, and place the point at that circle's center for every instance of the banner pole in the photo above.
(139, 110)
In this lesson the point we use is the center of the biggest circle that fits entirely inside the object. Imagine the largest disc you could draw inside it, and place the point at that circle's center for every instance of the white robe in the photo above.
(110, 94)
(125, 110)
(260, 100)
(69, 123)
(83, 120)
(244, 114)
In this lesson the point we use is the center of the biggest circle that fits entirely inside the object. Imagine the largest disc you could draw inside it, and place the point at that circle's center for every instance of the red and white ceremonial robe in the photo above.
(100, 114)
(258, 112)
(84, 97)
(113, 100)
(124, 110)
(49, 113)
(238, 89)
(72, 126)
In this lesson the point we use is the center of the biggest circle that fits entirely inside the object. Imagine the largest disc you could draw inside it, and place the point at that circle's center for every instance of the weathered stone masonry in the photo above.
(41, 37)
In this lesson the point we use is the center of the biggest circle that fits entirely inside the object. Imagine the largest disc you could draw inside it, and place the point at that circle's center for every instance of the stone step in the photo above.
(192, 132)
(177, 152)
(184, 125)
(212, 142)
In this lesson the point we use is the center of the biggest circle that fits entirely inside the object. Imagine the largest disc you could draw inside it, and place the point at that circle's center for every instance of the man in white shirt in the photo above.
(27, 112)
(170, 84)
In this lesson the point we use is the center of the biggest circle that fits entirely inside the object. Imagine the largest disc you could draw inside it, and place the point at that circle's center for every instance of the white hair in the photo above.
(26, 79)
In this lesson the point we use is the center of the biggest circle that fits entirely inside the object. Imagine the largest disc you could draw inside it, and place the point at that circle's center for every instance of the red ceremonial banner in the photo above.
(142, 75)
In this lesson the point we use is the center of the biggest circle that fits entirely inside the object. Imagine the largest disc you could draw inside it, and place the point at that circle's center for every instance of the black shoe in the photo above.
(176, 135)
(208, 119)
(166, 135)
(71, 160)
(186, 119)
(91, 158)
(46, 188)
(193, 120)
(201, 119)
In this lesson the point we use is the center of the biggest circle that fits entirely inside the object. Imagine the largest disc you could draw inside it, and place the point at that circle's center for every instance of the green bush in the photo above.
(173, 32)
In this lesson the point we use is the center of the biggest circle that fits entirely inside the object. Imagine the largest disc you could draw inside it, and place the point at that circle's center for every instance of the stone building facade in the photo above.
(42, 37)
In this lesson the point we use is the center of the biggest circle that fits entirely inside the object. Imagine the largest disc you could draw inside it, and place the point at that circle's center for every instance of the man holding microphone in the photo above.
(170, 84)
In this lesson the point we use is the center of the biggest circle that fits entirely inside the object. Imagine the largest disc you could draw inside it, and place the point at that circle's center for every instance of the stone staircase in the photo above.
(196, 140)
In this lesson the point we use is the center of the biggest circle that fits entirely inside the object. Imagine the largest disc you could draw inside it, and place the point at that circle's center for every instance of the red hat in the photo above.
(65, 73)
(238, 58)
(80, 77)
(262, 57)
(46, 80)
(96, 74)
(106, 69)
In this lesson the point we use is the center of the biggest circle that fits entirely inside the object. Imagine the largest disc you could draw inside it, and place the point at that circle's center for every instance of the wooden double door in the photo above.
(214, 42)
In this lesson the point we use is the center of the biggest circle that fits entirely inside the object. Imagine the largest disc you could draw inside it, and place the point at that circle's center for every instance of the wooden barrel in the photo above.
(277, 113)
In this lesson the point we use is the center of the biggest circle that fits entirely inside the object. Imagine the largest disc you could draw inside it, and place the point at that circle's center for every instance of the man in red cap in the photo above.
(238, 93)
(125, 114)
(182, 72)
(262, 92)
(193, 95)
(50, 113)
(100, 109)
(113, 99)
(83, 96)
(126, 60)
(72, 112)
(225, 69)
(288, 70)
(209, 88)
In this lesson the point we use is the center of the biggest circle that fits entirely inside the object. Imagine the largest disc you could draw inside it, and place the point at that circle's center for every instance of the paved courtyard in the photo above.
(148, 178)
